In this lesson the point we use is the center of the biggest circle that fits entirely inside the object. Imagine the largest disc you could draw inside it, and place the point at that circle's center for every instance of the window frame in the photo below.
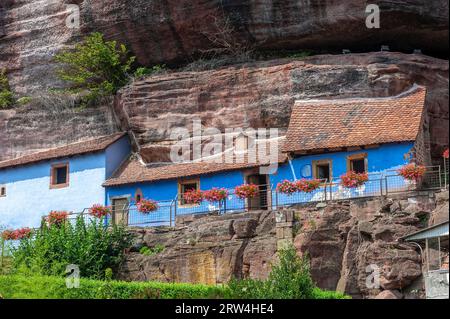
(3, 187)
(358, 156)
(180, 185)
(317, 163)
(53, 169)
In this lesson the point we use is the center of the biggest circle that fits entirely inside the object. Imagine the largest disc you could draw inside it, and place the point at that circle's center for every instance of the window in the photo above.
(2, 191)
(59, 177)
(357, 163)
(184, 186)
(323, 170)
(138, 195)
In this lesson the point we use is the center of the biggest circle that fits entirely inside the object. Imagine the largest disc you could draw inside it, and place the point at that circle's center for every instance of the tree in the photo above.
(95, 67)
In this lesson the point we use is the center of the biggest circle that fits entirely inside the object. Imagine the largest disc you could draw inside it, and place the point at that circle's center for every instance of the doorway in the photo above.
(120, 211)
(260, 202)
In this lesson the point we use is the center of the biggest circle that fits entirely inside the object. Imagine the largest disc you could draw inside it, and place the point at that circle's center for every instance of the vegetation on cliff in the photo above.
(6, 95)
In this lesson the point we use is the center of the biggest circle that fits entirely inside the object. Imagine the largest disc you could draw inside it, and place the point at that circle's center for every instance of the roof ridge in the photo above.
(415, 88)
(35, 157)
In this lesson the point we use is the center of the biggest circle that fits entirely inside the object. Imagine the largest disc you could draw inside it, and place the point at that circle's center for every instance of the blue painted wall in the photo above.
(116, 154)
(29, 196)
(380, 159)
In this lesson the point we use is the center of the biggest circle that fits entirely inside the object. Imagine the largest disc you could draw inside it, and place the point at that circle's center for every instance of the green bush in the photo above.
(143, 71)
(45, 287)
(89, 245)
(95, 66)
(6, 96)
(150, 251)
(290, 278)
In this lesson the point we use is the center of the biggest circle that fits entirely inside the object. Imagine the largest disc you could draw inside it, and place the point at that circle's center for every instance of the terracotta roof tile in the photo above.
(329, 124)
(134, 171)
(84, 147)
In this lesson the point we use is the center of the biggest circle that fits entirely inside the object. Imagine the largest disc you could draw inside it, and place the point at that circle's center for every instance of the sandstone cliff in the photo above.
(166, 31)
(345, 240)
(261, 94)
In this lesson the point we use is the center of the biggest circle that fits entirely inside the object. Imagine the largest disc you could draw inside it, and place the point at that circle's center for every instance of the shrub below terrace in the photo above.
(90, 245)
(6, 95)
(290, 278)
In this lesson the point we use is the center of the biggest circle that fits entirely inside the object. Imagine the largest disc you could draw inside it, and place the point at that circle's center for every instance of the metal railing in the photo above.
(269, 198)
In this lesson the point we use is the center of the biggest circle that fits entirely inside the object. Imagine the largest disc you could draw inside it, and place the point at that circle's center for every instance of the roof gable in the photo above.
(135, 171)
(331, 124)
(84, 147)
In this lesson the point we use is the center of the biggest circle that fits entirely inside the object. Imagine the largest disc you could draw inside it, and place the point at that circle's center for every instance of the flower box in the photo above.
(446, 154)
(99, 211)
(147, 206)
(193, 197)
(17, 234)
(247, 191)
(412, 172)
(215, 195)
(287, 187)
(308, 185)
(353, 180)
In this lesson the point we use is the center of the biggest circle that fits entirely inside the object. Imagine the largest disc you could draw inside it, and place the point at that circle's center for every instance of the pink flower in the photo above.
(446, 153)
(412, 172)
(352, 179)
(193, 197)
(215, 195)
(147, 206)
(99, 211)
(246, 191)
(57, 217)
(308, 186)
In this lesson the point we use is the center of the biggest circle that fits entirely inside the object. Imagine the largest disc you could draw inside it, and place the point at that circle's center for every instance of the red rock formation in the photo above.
(262, 94)
(176, 30)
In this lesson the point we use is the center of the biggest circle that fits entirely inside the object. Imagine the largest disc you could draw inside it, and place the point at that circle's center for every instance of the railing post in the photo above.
(381, 187)
(440, 178)
(170, 215)
(386, 184)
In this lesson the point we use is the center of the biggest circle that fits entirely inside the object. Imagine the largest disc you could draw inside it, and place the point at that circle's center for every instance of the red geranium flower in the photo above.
(246, 191)
(215, 195)
(287, 187)
(308, 185)
(412, 172)
(17, 234)
(57, 217)
(99, 211)
(446, 153)
(147, 206)
(352, 179)
(193, 197)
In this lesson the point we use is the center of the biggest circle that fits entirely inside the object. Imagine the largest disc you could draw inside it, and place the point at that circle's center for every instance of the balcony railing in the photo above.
(268, 198)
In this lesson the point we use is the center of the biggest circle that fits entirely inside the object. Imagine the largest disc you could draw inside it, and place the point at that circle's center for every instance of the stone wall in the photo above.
(342, 239)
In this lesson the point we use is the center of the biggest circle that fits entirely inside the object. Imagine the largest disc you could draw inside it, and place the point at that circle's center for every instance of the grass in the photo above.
(47, 287)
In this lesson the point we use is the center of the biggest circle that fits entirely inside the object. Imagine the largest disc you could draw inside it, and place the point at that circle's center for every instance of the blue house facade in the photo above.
(325, 140)
(68, 179)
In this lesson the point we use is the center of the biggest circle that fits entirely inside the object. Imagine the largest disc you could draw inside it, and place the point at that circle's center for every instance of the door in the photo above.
(260, 202)
(120, 211)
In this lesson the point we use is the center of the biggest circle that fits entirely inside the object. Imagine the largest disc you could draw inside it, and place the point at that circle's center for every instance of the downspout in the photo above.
(292, 167)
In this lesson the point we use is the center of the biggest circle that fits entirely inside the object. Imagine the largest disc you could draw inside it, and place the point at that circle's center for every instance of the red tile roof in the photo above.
(331, 124)
(134, 171)
(84, 147)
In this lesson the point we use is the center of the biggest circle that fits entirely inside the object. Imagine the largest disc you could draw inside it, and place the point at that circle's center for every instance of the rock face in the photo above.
(31, 129)
(170, 31)
(348, 243)
(262, 94)
(209, 250)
